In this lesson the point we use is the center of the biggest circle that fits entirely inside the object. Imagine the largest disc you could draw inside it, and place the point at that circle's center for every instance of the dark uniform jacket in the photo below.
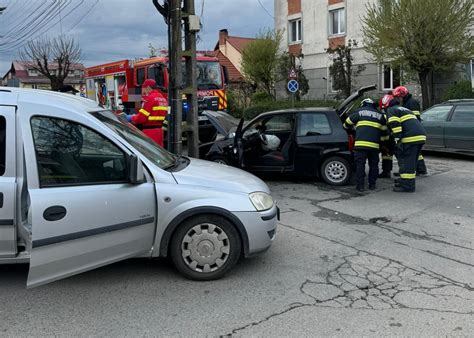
(405, 126)
(410, 103)
(371, 128)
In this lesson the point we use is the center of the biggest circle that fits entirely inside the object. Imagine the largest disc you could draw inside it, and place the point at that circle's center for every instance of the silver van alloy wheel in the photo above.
(205, 247)
(336, 171)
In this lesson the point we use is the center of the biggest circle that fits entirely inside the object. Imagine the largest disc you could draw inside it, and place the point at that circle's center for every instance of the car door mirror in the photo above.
(135, 170)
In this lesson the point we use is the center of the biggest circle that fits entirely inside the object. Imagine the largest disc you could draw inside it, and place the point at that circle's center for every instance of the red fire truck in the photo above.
(117, 85)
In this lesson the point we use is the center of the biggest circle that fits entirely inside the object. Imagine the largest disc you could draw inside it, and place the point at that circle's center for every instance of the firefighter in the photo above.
(371, 128)
(387, 148)
(153, 113)
(409, 137)
(409, 102)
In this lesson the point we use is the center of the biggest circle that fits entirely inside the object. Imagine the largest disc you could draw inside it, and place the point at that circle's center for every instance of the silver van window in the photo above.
(68, 153)
(145, 145)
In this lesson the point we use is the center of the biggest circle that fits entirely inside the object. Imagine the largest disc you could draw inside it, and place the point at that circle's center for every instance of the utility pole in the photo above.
(174, 15)
(176, 75)
(191, 26)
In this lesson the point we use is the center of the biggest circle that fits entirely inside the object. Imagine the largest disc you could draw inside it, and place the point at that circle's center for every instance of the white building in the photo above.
(311, 26)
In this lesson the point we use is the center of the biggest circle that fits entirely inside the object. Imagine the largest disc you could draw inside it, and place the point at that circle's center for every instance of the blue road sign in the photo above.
(293, 86)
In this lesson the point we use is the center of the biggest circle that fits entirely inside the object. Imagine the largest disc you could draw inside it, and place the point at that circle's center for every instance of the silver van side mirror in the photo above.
(135, 170)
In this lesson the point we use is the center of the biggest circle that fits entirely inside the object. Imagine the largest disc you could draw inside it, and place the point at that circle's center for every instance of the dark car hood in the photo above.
(223, 122)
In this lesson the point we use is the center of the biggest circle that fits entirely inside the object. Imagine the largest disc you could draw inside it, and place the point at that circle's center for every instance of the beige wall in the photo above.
(232, 54)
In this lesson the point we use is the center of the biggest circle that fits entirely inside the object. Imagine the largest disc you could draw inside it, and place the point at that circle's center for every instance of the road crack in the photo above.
(375, 282)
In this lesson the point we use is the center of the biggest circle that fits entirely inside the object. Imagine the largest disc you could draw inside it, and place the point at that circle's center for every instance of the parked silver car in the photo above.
(80, 189)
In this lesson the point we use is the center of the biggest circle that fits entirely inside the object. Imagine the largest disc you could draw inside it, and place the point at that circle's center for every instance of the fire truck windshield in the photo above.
(209, 75)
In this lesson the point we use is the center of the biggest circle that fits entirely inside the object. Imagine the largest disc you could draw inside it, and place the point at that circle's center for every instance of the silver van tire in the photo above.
(205, 247)
(336, 170)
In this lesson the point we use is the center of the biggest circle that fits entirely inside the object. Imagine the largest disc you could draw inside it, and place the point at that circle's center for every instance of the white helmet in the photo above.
(367, 102)
(272, 143)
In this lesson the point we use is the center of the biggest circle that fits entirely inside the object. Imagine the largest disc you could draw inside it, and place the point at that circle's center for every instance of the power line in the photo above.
(260, 2)
(45, 27)
(85, 14)
(60, 19)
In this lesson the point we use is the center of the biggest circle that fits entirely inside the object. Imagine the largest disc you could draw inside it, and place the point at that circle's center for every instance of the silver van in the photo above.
(79, 189)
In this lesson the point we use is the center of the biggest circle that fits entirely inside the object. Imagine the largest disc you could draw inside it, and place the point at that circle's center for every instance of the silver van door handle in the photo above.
(54, 213)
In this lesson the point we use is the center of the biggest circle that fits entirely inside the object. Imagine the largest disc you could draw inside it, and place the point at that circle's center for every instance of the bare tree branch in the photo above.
(52, 58)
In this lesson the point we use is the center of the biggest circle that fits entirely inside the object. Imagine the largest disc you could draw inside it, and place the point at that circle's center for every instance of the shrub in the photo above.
(261, 97)
(460, 90)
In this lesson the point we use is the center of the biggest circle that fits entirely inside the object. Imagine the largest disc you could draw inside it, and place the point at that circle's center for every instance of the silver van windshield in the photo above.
(152, 151)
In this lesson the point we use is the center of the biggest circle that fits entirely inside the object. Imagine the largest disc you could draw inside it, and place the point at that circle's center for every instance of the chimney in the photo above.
(223, 34)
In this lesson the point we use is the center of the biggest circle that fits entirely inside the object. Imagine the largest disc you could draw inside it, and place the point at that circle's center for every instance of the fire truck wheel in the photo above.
(205, 247)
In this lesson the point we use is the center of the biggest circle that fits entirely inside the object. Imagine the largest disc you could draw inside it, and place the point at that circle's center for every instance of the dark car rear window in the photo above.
(313, 124)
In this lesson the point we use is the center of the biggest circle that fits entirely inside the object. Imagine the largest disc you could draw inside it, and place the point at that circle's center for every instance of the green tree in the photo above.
(288, 61)
(427, 36)
(260, 59)
(342, 71)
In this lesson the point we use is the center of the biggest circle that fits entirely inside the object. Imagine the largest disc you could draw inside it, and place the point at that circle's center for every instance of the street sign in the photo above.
(293, 86)
(292, 74)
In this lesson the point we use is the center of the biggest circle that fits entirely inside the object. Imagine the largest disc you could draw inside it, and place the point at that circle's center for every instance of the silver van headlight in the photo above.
(261, 200)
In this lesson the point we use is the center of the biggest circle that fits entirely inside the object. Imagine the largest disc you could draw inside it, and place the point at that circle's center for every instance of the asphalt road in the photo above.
(343, 264)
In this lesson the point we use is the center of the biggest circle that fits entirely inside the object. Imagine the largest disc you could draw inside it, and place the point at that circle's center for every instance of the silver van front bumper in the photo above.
(261, 228)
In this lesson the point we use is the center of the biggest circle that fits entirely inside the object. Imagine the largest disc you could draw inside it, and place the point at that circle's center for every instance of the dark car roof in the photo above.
(297, 110)
(459, 101)
(452, 102)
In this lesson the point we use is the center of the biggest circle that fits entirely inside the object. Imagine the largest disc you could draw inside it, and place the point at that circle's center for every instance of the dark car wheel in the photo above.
(205, 247)
(336, 171)
(219, 159)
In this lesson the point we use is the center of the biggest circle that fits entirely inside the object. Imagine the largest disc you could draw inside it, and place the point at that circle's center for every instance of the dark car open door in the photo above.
(349, 102)
(238, 144)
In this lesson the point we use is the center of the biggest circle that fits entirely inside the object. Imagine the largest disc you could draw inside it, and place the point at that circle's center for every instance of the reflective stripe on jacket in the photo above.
(410, 103)
(153, 112)
(370, 126)
(405, 126)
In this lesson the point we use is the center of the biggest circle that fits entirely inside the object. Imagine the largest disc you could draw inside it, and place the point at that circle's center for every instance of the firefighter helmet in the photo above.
(385, 101)
(400, 91)
(367, 102)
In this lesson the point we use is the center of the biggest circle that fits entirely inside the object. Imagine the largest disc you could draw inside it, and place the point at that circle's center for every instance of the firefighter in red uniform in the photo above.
(153, 112)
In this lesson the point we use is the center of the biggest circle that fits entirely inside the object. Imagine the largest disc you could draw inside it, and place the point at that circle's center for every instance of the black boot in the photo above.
(396, 174)
(385, 174)
(400, 189)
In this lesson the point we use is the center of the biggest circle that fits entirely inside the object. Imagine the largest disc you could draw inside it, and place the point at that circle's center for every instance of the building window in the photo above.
(295, 30)
(391, 77)
(337, 22)
(34, 86)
